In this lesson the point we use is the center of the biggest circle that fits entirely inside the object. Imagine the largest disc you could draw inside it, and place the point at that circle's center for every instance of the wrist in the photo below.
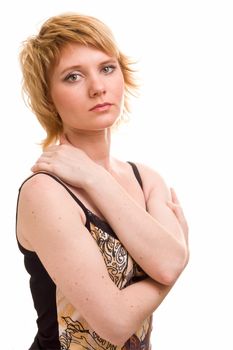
(94, 178)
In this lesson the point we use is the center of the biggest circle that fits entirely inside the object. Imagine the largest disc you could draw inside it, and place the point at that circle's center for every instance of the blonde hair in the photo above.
(39, 53)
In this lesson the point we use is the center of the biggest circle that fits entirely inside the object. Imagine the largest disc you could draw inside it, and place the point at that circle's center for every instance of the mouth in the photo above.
(101, 107)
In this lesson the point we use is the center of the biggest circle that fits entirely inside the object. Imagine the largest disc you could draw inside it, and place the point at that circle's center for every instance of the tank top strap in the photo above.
(77, 200)
(136, 173)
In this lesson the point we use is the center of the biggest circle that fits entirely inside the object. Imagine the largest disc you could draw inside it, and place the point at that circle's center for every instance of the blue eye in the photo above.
(109, 69)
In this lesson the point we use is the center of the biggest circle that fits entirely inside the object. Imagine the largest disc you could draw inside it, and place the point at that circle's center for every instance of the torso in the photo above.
(62, 322)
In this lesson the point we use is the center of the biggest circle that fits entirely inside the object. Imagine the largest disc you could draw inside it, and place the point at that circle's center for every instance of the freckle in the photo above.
(59, 218)
(33, 212)
(131, 306)
(86, 299)
(140, 257)
(102, 276)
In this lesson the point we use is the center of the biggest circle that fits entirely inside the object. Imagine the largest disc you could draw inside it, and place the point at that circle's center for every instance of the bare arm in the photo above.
(157, 230)
(56, 233)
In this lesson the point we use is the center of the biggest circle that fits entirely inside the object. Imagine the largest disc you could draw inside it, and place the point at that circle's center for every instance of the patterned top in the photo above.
(60, 325)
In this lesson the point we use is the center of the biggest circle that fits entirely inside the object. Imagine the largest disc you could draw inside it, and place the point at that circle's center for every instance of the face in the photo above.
(87, 88)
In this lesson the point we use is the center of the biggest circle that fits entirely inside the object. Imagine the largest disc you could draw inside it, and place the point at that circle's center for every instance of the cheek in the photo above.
(65, 99)
(120, 84)
(57, 96)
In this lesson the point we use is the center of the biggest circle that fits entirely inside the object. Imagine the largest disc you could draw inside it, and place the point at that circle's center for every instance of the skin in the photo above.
(108, 187)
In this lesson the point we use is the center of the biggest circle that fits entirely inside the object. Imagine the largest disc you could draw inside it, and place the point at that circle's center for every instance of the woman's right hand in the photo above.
(69, 163)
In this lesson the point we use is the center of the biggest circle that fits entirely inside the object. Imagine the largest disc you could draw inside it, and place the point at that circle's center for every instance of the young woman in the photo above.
(104, 240)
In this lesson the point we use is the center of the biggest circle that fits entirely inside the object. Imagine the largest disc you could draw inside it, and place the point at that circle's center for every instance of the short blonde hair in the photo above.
(39, 53)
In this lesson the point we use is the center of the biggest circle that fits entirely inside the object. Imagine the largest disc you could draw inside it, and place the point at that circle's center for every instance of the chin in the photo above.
(107, 121)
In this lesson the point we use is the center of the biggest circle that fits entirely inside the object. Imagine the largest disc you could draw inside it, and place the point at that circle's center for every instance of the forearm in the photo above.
(147, 241)
(139, 301)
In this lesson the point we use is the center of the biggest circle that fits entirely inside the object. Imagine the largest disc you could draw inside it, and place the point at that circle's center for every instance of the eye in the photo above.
(109, 69)
(72, 77)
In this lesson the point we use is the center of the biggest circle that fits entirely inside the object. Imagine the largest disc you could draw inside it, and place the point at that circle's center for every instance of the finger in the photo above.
(41, 167)
(45, 158)
(177, 211)
(175, 204)
(45, 155)
(174, 196)
(172, 205)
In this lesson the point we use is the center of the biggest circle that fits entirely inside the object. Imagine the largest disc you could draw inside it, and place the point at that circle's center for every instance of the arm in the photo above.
(157, 230)
(56, 233)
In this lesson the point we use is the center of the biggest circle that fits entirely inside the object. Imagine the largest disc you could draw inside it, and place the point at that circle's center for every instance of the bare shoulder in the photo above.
(40, 183)
(153, 182)
(42, 193)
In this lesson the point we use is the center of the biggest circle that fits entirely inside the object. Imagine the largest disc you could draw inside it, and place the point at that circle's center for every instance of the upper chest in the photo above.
(128, 181)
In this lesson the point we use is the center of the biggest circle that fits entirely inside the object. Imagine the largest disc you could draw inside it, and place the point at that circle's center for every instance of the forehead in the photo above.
(78, 54)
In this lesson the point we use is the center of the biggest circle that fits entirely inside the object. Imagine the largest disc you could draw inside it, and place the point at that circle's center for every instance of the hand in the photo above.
(175, 206)
(69, 163)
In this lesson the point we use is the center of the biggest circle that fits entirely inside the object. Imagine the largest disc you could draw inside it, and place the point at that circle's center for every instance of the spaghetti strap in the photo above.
(77, 200)
(136, 173)
(64, 185)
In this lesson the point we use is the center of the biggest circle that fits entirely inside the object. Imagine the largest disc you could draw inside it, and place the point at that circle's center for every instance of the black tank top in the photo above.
(60, 326)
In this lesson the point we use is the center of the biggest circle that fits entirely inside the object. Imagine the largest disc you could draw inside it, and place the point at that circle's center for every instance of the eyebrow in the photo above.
(77, 67)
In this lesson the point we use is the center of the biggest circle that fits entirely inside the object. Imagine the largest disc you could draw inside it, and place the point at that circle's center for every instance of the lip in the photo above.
(101, 107)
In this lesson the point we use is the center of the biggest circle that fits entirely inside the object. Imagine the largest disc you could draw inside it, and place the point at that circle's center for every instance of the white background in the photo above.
(180, 126)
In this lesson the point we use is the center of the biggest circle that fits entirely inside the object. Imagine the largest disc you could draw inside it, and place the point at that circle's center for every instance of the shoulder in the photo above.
(44, 191)
(41, 184)
(152, 181)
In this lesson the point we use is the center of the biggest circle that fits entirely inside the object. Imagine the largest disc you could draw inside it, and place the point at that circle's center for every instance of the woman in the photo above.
(103, 240)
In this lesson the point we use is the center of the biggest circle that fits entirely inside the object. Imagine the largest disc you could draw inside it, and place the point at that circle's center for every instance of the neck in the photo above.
(96, 144)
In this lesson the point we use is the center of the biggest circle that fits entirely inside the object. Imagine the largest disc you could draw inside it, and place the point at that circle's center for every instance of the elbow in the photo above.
(112, 326)
(173, 268)
(120, 337)
(118, 340)
(118, 332)
(115, 338)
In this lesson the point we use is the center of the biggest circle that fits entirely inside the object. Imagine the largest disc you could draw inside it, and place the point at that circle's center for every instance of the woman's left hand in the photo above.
(175, 206)
(69, 163)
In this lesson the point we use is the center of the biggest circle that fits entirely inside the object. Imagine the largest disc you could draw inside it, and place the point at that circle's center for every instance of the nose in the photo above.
(96, 87)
